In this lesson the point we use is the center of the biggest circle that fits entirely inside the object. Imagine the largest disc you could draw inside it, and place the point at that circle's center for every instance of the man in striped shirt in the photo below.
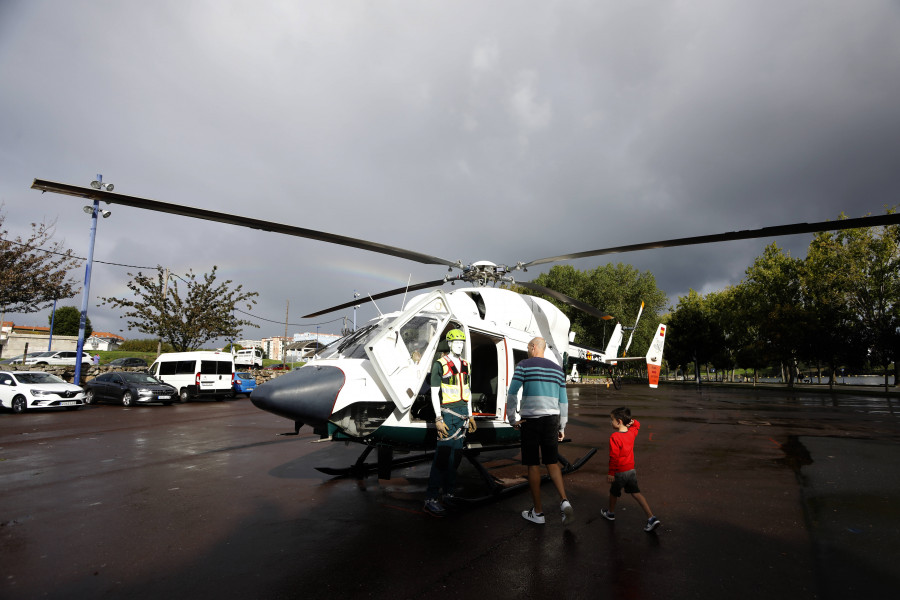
(542, 418)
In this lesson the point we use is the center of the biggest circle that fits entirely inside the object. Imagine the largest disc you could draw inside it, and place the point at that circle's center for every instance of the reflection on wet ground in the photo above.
(762, 493)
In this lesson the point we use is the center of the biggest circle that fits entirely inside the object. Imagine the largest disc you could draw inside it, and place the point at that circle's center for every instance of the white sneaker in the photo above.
(567, 512)
(532, 516)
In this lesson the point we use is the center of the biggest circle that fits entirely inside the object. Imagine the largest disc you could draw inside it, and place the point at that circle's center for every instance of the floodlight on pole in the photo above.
(98, 184)
(86, 292)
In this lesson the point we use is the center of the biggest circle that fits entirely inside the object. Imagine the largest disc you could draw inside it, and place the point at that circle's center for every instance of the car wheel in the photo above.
(19, 405)
(127, 399)
(89, 397)
(183, 395)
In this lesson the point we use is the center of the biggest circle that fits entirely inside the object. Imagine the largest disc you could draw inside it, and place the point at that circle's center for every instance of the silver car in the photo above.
(58, 357)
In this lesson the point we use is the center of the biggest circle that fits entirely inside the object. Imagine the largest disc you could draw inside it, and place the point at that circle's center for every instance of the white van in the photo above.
(197, 374)
(249, 357)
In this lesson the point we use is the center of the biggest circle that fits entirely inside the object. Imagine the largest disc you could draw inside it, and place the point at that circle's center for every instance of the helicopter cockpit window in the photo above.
(418, 332)
(349, 346)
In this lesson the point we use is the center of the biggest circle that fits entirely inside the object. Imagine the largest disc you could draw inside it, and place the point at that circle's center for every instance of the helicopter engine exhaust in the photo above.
(306, 395)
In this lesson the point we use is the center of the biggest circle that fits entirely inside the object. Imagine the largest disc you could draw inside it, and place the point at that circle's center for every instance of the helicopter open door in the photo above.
(402, 353)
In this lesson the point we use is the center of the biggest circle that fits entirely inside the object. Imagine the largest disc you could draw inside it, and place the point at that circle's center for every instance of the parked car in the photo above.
(128, 362)
(244, 383)
(128, 388)
(279, 367)
(58, 357)
(26, 390)
(18, 359)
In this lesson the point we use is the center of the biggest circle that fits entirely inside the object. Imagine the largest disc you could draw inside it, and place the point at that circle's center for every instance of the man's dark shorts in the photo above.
(627, 480)
(540, 434)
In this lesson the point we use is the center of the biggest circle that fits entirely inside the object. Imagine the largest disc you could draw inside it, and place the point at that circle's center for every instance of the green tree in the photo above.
(726, 329)
(615, 289)
(690, 338)
(773, 289)
(751, 352)
(873, 258)
(203, 312)
(32, 276)
(67, 321)
(835, 334)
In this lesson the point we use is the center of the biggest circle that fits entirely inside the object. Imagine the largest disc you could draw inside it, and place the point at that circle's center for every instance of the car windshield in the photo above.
(244, 375)
(38, 377)
(139, 378)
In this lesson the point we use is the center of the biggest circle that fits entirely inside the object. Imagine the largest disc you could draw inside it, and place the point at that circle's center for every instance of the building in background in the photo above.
(296, 348)
(103, 340)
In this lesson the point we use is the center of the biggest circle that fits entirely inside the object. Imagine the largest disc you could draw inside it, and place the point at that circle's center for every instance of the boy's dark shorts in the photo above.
(627, 480)
(540, 440)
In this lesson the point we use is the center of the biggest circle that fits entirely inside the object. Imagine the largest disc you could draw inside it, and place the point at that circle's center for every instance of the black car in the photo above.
(128, 362)
(128, 388)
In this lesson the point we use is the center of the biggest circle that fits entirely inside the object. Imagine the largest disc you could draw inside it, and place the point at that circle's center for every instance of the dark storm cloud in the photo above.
(502, 131)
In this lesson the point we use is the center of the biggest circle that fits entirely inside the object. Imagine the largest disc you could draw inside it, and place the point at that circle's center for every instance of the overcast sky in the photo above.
(501, 131)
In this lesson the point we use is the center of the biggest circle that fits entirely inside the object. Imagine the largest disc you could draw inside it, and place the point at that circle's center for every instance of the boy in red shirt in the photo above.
(621, 466)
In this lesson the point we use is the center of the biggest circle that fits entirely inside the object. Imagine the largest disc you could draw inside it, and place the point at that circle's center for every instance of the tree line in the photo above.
(839, 307)
(183, 311)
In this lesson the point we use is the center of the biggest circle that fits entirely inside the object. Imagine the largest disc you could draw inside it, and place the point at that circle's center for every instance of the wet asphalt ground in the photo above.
(761, 493)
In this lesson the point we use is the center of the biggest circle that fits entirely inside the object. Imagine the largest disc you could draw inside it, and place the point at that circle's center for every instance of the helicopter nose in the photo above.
(306, 395)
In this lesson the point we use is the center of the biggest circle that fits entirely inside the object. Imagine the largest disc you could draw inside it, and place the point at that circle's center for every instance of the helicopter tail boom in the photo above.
(654, 355)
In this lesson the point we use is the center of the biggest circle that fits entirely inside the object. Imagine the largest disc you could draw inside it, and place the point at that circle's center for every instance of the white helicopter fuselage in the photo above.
(374, 385)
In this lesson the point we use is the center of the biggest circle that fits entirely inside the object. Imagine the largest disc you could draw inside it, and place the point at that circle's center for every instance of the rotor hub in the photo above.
(483, 272)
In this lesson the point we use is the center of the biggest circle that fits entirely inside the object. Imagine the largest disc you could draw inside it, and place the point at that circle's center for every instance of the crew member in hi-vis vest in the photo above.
(451, 398)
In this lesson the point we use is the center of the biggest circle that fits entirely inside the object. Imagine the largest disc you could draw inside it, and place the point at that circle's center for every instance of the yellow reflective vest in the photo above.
(454, 384)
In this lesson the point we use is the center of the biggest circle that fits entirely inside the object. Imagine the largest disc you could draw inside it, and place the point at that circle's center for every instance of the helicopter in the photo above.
(583, 354)
(369, 387)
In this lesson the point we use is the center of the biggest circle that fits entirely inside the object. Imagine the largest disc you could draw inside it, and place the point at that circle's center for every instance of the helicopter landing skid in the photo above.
(361, 468)
(497, 490)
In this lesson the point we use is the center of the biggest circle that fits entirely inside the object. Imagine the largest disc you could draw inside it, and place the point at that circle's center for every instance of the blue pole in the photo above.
(87, 291)
(52, 321)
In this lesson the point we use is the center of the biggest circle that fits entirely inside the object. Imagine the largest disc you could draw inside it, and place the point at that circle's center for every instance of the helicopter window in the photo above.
(519, 356)
(418, 332)
(350, 346)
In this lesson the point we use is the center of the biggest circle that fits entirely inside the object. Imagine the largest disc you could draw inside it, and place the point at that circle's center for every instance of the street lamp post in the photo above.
(86, 292)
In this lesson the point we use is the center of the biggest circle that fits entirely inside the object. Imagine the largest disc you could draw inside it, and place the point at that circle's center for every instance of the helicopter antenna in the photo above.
(376, 306)
(408, 280)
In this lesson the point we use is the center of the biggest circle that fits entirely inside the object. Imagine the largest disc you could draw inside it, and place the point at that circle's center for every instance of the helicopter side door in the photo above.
(401, 354)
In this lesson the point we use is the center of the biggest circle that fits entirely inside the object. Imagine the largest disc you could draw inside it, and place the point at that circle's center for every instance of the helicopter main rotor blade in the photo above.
(387, 294)
(566, 300)
(211, 215)
(747, 234)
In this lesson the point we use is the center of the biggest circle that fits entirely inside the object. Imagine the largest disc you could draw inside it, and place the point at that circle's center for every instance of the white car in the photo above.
(58, 357)
(26, 390)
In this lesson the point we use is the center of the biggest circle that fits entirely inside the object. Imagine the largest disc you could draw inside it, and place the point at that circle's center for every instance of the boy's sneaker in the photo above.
(434, 507)
(608, 515)
(451, 501)
(566, 509)
(652, 523)
(533, 516)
